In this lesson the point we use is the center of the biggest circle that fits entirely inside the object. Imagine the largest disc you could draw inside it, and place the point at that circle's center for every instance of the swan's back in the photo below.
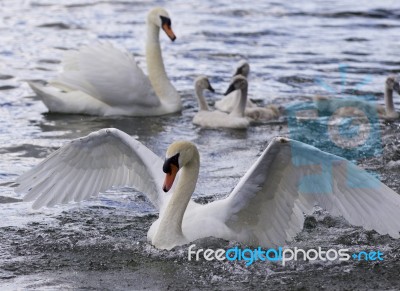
(217, 119)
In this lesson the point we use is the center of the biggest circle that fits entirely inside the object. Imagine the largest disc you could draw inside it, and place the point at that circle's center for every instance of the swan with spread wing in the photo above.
(102, 80)
(265, 208)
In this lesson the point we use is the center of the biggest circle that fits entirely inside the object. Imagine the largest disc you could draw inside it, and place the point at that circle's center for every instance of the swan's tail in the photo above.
(64, 101)
(48, 98)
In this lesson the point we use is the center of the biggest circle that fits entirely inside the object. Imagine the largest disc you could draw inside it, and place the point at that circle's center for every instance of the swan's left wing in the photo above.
(289, 179)
(86, 166)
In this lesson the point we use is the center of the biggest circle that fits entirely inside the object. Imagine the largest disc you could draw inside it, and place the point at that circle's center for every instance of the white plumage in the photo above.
(217, 119)
(251, 111)
(102, 80)
(265, 208)
(228, 102)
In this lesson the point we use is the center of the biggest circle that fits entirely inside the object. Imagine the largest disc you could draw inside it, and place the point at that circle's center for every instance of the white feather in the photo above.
(265, 208)
(100, 79)
(111, 151)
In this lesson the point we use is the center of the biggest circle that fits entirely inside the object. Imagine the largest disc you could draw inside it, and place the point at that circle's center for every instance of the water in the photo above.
(296, 50)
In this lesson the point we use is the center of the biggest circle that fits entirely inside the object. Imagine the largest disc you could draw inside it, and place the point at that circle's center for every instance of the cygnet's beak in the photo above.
(231, 88)
(210, 88)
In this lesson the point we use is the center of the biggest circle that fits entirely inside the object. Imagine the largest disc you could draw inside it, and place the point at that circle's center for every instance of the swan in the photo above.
(218, 119)
(102, 80)
(268, 112)
(227, 103)
(355, 107)
(264, 209)
(252, 111)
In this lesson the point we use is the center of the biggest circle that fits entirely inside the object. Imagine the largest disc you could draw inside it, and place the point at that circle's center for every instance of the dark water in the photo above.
(296, 50)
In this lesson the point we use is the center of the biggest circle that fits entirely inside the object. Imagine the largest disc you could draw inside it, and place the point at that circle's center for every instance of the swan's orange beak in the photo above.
(168, 30)
(170, 178)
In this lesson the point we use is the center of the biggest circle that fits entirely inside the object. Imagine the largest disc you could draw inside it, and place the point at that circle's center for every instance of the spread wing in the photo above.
(289, 179)
(86, 166)
(108, 74)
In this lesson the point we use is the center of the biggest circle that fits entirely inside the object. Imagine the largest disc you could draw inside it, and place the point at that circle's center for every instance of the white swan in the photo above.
(252, 111)
(103, 80)
(218, 119)
(264, 209)
(355, 107)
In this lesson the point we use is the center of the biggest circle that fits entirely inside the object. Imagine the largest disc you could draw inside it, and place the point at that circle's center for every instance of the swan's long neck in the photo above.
(389, 101)
(240, 106)
(200, 98)
(155, 67)
(169, 231)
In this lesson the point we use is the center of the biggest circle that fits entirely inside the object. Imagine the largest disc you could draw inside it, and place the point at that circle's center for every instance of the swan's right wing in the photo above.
(289, 179)
(91, 164)
(108, 74)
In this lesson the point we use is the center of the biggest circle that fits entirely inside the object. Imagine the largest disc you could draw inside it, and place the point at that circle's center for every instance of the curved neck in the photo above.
(240, 106)
(155, 67)
(389, 101)
(200, 98)
(170, 226)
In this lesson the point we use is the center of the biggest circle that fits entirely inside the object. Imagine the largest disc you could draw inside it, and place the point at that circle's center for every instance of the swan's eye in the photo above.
(174, 160)
(165, 21)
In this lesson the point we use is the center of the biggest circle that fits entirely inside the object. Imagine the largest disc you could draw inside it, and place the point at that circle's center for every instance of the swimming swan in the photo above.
(227, 103)
(218, 119)
(266, 113)
(264, 209)
(252, 111)
(103, 80)
(356, 107)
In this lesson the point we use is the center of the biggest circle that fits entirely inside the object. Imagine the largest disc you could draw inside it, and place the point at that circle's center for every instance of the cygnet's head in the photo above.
(238, 82)
(159, 17)
(178, 155)
(392, 84)
(203, 83)
(243, 68)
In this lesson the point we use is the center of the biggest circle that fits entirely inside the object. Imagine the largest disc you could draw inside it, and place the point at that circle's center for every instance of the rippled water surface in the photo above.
(296, 49)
